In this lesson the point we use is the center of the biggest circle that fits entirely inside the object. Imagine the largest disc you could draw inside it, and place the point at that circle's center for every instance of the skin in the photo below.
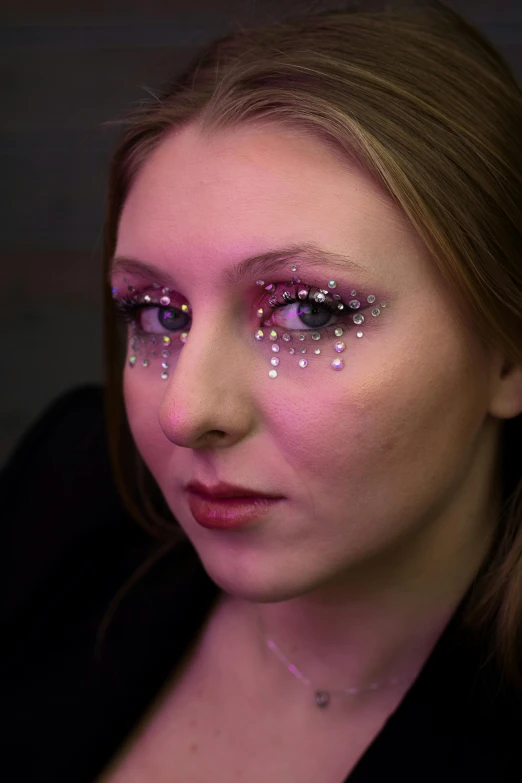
(388, 467)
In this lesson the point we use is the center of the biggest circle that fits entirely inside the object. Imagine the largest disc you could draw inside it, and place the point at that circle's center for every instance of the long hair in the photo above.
(422, 100)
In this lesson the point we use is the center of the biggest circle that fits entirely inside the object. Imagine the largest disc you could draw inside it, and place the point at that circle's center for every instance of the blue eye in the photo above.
(171, 318)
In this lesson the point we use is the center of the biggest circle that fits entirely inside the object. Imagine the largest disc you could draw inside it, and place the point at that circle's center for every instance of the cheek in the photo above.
(143, 390)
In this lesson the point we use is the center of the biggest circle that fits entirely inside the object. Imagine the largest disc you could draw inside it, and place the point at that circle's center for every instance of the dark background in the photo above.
(66, 68)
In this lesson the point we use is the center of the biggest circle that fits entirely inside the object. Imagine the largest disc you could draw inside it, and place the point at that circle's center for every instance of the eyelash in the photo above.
(128, 310)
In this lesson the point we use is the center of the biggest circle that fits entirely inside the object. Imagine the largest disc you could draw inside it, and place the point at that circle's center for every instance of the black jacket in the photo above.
(70, 546)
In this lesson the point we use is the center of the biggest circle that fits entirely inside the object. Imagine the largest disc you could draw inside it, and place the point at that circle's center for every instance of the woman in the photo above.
(313, 299)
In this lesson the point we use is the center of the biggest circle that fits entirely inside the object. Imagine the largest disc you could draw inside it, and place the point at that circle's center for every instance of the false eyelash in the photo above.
(126, 309)
(329, 305)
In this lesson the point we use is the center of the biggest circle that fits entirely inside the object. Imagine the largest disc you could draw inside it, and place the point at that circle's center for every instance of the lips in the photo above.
(224, 490)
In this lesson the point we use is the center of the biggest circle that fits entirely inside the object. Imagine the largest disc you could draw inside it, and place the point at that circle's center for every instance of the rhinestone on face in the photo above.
(302, 337)
(272, 374)
(302, 362)
(320, 297)
(383, 304)
(165, 300)
(317, 350)
(332, 284)
(354, 304)
(336, 296)
(338, 364)
(376, 311)
(303, 350)
(316, 336)
(260, 334)
(296, 279)
(273, 335)
(185, 308)
(302, 294)
(274, 361)
(145, 362)
(183, 337)
(340, 307)
(353, 293)
(339, 347)
(286, 295)
(260, 282)
(371, 299)
(358, 318)
(359, 334)
(165, 365)
(293, 268)
(260, 312)
(286, 337)
(156, 285)
(272, 301)
(269, 287)
(165, 354)
(165, 291)
(166, 340)
(291, 350)
(275, 347)
(132, 361)
(164, 375)
(147, 298)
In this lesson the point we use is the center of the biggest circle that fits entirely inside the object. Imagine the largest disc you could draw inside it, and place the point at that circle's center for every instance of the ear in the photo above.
(506, 399)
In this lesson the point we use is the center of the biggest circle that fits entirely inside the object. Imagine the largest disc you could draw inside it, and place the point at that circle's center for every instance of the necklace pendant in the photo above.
(322, 698)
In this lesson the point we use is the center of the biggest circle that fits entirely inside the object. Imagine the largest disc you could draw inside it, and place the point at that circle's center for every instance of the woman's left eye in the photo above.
(302, 310)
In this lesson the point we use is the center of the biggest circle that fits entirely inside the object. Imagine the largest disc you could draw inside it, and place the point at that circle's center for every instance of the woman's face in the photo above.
(367, 456)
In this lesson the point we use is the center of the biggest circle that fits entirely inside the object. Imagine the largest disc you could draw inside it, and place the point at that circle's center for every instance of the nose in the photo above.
(207, 402)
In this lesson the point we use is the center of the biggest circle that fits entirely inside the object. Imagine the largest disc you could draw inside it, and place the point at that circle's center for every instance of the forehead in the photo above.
(214, 200)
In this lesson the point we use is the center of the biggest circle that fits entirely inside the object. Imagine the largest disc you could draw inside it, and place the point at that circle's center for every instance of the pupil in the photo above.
(170, 318)
(315, 315)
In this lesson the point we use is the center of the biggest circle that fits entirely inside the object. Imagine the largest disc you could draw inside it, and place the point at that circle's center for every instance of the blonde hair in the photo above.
(423, 102)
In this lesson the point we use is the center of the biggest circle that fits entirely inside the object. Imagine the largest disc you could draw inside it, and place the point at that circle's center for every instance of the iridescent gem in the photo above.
(339, 347)
(273, 335)
(275, 347)
(338, 364)
(260, 334)
(332, 284)
(274, 361)
(320, 297)
(183, 337)
(165, 300)
(272, 373)
(316, 336)
(165, 354)
(338, 332)
(132, 361)
(269, 287)
(354, 304)
(260, 282)
(286, 337)
(302, 294)
(302, 362)
(260, 312)
(166, 340)
(358, 318)
(376, 311)
(165, 365)
(371, 299)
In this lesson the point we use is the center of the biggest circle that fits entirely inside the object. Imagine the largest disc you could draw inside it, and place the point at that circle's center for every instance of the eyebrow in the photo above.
(266, 263)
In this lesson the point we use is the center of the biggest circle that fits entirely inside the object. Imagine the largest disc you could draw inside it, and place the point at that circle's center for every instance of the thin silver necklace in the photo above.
(322, 696)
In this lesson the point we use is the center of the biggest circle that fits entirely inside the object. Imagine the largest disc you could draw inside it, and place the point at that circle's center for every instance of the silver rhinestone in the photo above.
(165, 365)
(273, 335)
(383, 304)
(260, 282)
(354, 304)
(275, 347)
(302, 337)
(272, 301)
(317, 350)
(338, 332)
(320, 297)
(359, 334)
(332, 284)
(353, 293)
(303, 350)
(165, 291)
(339, 347)
(260, 334)
(316, 336)
(340, 307)
(286, 295)
(376, 311)
(286, 337)
(274, 361)
(165, 354)
(296, 279)
(371, 299)
(147, 298)
(293, 268)
(272, 374)
(132, 361)
(164, 375)
(291, 350)
(165, 300)
(302, 294)
(145, 362)
(338, 364)
(302, 362)
(358, 318)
